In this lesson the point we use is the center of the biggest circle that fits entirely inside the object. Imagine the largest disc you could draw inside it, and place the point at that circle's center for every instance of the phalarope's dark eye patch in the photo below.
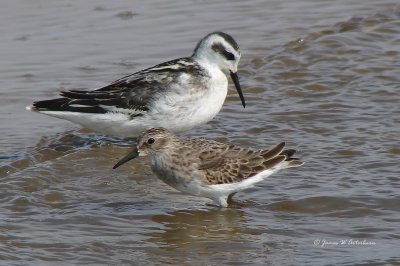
(151, 141)
(219, 48)
(229, 56)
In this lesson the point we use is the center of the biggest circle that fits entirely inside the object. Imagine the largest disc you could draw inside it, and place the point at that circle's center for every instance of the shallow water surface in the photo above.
(324, 76)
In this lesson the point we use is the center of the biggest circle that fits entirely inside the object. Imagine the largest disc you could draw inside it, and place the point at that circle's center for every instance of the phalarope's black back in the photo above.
(178, 95)
(207, 168)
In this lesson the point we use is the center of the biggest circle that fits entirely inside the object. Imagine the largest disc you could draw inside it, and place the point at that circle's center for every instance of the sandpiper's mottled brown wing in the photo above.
(223, 164)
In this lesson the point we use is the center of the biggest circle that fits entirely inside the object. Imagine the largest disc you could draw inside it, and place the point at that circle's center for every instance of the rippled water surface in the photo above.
(324, 76)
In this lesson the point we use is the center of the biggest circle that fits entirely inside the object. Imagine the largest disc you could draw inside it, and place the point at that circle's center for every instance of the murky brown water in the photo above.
(324, 76)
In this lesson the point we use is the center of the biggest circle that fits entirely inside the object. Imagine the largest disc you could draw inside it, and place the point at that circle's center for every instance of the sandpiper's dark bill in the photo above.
(132, 155)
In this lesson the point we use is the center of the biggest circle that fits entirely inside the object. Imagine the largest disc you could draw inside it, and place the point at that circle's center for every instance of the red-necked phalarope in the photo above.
(179, 94)
(207, 168)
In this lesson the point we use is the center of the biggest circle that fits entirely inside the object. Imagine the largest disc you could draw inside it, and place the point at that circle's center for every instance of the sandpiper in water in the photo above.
(179, 94)
(207, 168)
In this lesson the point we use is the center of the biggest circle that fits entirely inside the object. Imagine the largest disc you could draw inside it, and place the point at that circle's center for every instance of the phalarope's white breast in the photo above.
(207, 168)
(178, 95)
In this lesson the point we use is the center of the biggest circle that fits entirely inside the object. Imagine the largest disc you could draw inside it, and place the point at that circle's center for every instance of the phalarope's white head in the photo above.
(179, 94)
(220, 49)
(207, 168)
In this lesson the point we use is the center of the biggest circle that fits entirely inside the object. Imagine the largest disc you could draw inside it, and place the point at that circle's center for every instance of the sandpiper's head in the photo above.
(151, 141)
(222, 50)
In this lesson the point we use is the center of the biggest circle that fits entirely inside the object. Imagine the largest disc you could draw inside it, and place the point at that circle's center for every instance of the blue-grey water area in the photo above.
(324, 76)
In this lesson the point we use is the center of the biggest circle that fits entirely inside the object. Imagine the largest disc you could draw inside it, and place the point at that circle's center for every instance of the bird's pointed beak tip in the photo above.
(132, 155)
(235, 80)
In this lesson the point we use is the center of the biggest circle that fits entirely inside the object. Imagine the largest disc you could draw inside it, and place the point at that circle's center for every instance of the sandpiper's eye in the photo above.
(151, 141)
